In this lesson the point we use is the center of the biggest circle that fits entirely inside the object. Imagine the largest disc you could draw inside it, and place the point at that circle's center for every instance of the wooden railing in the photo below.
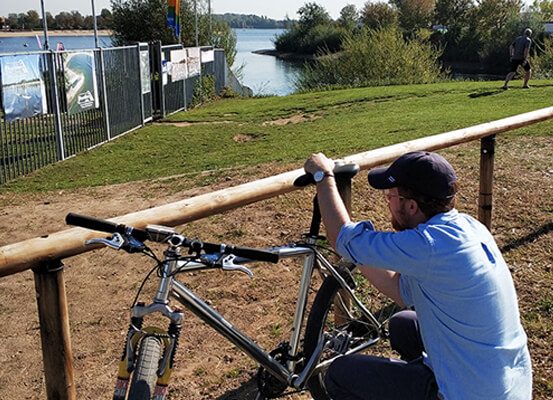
(44, 254)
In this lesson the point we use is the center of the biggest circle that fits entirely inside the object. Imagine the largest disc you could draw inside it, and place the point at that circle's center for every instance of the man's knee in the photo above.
(337, 371)
(334, 378)
(405, 335)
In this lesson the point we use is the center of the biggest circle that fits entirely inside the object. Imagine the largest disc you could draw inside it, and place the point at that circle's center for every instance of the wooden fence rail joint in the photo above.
(49, 267)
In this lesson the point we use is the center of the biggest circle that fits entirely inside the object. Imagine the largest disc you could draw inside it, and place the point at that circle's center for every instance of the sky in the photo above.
(276, 9)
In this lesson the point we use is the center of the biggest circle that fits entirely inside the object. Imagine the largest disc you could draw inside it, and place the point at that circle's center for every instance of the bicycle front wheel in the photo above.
(144, 377)
(333, 314)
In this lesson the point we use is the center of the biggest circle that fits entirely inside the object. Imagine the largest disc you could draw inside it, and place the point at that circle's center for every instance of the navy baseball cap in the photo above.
(424, 172)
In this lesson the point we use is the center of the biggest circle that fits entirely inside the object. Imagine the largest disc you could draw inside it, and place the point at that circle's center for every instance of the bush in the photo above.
(319, 38)
(204, 91)
(374, 58)
(542, 66)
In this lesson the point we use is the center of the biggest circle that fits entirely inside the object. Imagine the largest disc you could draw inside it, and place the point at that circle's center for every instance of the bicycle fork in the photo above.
(169, 339)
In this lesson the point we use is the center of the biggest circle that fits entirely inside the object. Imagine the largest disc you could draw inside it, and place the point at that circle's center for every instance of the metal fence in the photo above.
(27, 144)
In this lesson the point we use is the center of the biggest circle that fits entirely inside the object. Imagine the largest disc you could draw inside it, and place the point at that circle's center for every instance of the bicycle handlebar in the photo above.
(102, 225)
(245, 252)
(197, 246)
(340, 171)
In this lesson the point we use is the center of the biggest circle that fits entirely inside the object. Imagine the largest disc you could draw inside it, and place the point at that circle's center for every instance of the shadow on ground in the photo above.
(484, 94)
(248, 391)
(543, 230)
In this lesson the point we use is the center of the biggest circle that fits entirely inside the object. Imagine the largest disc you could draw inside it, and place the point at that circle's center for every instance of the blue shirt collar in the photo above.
(443, 218)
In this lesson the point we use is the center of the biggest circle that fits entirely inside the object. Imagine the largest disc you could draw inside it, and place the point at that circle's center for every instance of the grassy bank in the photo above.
(243, 132)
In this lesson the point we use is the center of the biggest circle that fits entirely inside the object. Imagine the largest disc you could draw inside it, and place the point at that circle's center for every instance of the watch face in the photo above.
(318, 176)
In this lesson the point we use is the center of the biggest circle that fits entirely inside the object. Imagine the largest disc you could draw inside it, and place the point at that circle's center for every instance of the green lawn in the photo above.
(337, 122)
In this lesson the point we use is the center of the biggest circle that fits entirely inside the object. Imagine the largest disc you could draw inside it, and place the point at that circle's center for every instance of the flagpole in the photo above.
(209, 13)
(196, 20)
(95, 25)
(44, 25)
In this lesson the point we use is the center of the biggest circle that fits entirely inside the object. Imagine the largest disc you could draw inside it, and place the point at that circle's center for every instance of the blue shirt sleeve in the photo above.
(405, 291)
(407, 252)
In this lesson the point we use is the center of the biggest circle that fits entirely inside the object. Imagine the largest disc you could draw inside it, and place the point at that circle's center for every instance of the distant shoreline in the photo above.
(53, 33)
(284, 56)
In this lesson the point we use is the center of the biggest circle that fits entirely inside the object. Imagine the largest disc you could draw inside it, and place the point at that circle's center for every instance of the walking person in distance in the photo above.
(460, 336)
(519, 51)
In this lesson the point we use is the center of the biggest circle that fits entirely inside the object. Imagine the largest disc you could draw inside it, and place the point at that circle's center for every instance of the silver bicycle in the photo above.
(345, 316)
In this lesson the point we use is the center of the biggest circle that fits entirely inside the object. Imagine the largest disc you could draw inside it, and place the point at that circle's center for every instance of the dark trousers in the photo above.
(361, 377)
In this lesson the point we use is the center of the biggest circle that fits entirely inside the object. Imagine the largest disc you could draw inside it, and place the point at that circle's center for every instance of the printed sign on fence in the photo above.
(208, 56)
(81, 87)
(23, 89)
(179, 67)
(194, 65)
(145, 71)
(164, 69)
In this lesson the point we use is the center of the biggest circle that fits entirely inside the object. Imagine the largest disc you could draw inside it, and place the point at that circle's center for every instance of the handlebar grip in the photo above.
(253, 254)
(304, 180)
(103, 225)
(245, 252)
(340, 171)
(95, 224)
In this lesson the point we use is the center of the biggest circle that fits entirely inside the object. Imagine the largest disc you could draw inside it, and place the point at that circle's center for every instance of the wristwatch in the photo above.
(319, 176)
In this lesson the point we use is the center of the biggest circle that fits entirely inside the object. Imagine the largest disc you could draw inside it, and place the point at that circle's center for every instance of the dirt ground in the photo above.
(102, 284)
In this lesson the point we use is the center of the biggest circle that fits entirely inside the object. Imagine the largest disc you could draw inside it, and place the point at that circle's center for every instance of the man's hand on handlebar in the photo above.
(318, 162)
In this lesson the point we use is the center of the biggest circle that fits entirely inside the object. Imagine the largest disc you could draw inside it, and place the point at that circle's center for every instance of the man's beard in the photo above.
(398, 226)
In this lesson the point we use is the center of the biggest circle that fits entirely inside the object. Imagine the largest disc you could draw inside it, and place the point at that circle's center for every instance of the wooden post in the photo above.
(487, 151)
(54, 331)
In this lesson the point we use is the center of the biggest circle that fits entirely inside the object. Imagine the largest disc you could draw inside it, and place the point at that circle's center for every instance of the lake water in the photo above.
(265, 75)
(31, 43)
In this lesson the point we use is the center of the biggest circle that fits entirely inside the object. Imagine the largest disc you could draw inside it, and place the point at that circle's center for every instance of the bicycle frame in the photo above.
(171, 287)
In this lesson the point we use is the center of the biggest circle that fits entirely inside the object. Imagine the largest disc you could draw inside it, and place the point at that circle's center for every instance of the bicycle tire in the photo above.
(144, 377)
(319, 319)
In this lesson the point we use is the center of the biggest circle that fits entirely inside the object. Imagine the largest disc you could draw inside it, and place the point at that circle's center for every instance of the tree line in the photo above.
(466, 31)
(414, 41)
(238, 21)
(74, 20)
(31, 20)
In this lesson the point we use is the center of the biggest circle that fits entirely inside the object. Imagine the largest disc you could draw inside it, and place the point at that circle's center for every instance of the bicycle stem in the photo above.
(164, 289)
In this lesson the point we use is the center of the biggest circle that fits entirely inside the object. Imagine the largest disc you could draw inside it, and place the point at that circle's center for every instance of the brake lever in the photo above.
(227, 264)
(115, 242)
(118, 242)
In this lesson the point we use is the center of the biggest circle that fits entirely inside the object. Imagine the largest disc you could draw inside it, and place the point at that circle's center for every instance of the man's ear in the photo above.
(412, 206)
(415, 211)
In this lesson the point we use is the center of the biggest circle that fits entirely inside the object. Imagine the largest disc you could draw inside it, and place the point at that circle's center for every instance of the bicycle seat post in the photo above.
(315, 227)
(344, 187)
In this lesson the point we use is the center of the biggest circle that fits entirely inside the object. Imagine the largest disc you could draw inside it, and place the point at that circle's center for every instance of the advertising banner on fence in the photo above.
(23, 90)
(145, 71)
(208, 56)
(179, 68)
(194, 66)
(81, 87)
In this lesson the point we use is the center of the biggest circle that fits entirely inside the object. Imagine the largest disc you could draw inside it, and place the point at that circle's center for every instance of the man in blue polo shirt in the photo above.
(464, 341)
